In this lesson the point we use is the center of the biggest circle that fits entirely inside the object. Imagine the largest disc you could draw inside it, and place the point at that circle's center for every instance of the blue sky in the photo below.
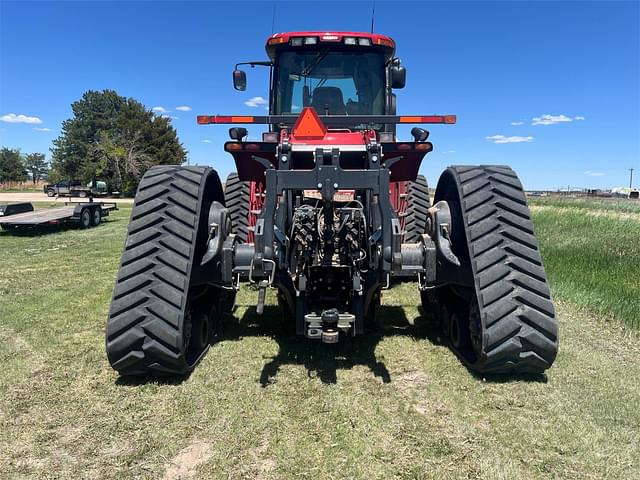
(573, 66)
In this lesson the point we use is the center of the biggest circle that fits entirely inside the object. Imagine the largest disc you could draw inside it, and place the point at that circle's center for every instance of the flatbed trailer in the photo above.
(82, 214)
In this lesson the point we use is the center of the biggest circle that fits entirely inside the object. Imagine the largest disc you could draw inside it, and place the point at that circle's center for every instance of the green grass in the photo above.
(263, 405)
(592, 256)
(589, 203)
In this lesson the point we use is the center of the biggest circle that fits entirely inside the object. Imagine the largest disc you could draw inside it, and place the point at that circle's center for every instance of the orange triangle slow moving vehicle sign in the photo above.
(309, 125)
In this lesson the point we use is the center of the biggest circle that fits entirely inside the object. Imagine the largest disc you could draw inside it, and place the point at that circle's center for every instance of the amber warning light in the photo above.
(311, 118)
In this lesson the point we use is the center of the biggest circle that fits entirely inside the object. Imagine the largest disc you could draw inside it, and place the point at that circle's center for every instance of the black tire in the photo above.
(237, 200)
(51, 193)
(418, 203)
(96, 216)
(155, 313)
(85, 218)
(510, 313)
(82, 194)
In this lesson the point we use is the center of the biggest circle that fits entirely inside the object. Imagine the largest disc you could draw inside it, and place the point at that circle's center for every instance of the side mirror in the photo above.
(398, 76)
(239, 80)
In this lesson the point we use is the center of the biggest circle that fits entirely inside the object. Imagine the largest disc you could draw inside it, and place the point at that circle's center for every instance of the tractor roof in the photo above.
(350, 39)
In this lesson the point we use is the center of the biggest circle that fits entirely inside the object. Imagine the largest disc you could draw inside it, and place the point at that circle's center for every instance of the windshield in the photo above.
(334, 83)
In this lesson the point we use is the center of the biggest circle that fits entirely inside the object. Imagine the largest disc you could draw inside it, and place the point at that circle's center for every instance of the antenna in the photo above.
(373, 14)
(273, 18)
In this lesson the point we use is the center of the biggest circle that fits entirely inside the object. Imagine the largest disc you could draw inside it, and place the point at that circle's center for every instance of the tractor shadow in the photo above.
(322, 361)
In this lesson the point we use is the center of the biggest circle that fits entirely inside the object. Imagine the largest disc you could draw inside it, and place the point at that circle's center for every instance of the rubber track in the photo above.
(237, 200)
(144, 333)
(415, 223)
(520, 330)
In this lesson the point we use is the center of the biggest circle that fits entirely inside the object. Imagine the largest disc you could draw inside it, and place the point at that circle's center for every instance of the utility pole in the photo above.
(631, 178)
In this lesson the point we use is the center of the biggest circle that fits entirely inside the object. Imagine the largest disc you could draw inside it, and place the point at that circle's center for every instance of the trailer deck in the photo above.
(85, 214)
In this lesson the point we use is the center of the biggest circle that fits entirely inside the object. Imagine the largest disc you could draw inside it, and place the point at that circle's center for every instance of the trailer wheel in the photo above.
(159, 323)
(506, 322)
(96, 216)
(237, 200)
(82, 194)
(418, 203)
(85, 218)
(51, 193)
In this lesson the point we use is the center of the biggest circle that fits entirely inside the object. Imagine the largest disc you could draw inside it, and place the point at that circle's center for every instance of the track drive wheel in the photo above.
(418, 203)
(158, 323)
(237, 199)
(506, 323)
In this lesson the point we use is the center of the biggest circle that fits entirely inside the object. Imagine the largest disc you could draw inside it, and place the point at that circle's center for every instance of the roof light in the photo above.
(330, 38)
(310, 40)
(384, 42)
(296, 41)
(349, 41)
(365, 42)
(275, 41)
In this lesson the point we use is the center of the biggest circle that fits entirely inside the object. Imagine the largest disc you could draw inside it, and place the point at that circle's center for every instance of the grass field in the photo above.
(592, 254)
(264, 405)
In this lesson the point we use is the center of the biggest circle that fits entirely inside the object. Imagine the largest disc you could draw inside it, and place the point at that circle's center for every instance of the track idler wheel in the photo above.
(159, 323)
(505, 322)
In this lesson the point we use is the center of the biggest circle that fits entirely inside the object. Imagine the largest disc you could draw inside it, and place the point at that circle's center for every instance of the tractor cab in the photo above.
(343, 73)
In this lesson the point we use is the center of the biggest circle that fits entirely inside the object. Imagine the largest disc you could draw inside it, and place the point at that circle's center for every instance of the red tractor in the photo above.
(328, 209)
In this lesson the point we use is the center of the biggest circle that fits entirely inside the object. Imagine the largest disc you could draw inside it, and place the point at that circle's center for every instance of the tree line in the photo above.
(109, 137)
(114, 139)
(17, 167)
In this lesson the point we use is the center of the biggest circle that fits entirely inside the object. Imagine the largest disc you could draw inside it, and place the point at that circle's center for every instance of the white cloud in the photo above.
(159, 110)
(450, 151)
(171, 117)
(43, 129)
(547, 119)
(517, 123)
(504, 139)
(206, 141)
(255, 102)
(184, 108)
(13, 118)
(594, 174)
(579, 117)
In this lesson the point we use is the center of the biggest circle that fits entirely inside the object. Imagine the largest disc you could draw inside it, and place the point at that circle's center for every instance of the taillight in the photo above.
(271, 137)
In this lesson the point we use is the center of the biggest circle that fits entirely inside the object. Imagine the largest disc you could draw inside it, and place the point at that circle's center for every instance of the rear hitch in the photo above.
(328, 325)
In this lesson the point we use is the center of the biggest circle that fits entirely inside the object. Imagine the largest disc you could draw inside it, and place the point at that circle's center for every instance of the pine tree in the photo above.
(115, 139)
